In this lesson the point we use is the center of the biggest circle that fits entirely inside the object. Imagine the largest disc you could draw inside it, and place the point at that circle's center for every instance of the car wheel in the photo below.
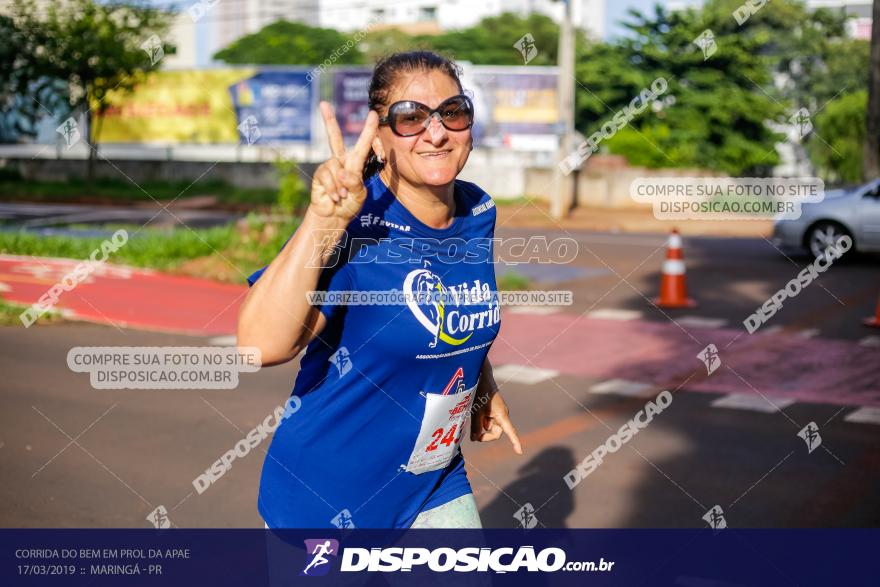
(824, 235)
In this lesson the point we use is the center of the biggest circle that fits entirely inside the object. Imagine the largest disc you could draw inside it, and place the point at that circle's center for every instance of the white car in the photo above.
(853, 211)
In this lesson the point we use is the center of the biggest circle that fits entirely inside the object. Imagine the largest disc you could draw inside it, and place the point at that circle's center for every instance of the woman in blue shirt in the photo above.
(386, 385)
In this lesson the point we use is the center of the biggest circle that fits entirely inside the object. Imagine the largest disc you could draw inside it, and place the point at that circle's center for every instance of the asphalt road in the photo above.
(73, 456)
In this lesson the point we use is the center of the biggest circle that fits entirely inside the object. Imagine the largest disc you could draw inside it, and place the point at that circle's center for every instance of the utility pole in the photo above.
(562, 184)
(870, 163)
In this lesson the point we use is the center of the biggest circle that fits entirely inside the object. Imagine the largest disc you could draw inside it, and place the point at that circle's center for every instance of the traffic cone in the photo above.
(875, 321)
(673, 289)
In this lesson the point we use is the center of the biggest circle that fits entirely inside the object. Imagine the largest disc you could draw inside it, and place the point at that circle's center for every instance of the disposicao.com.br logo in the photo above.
(444, 559)
(318, 551)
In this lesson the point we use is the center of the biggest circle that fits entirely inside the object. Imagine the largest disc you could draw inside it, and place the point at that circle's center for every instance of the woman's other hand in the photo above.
(492, 419)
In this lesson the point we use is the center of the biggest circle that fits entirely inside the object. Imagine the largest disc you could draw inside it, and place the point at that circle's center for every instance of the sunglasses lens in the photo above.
(409, 117)
(457, 114)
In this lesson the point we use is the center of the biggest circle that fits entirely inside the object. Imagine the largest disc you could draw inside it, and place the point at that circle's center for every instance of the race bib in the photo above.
(442, 427)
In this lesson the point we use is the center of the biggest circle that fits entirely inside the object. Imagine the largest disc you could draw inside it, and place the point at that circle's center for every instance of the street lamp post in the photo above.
(562, 183)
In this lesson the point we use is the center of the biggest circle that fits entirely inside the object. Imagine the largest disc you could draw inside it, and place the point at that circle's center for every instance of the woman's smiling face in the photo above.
(436, 156)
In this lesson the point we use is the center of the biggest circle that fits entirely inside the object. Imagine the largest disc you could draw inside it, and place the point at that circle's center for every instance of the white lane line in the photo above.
(701, 322)
(228, 340)
(612, 314)
(753, 402)
(870, 341)
(866, 415)
(771, 329)
(536, 310)
(522, 374)
(623, 387)
(809, 333)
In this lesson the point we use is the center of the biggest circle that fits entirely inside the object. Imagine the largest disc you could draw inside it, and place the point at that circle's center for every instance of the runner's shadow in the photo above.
(539, 485)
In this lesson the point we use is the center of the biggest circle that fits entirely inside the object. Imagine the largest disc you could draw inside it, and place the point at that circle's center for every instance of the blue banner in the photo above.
(351, 101)
(274, 107)
(251, 558)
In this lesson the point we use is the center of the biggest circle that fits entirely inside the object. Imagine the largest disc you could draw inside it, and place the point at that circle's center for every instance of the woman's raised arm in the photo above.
(276, 316)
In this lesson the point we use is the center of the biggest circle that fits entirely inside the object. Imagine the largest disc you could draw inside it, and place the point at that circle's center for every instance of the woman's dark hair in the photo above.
(386, 74)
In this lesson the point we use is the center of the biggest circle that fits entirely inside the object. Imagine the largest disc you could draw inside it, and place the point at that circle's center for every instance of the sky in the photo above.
(615, 11)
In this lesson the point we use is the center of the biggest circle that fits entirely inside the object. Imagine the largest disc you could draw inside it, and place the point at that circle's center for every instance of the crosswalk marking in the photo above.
(612, 314)
(522, 374)
(534, 310)
(701, 322)
(623, 387)
(753, 402)
(865, 415)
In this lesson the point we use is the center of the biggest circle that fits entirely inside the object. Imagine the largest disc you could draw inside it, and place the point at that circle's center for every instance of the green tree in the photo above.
(94, 48)
(812, 59)
(871, 149)
(796, 42)
(293, 197)
(381, 42)
(492, 41)
(292, 43)
(17, 79)
(26, 93)
(839, 157)
(714, 113)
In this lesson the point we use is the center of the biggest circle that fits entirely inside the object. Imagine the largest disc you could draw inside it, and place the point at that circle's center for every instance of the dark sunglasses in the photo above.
(409, 118)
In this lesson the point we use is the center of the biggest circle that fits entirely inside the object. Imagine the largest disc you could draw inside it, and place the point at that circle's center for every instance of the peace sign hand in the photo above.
(338, 190)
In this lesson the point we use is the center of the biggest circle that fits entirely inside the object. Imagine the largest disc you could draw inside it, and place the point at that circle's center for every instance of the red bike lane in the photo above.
(125, 296)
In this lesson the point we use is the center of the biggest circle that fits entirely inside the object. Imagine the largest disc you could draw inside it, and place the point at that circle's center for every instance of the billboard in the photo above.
(520, 106)
(279, 102)
(351, 89)
(515, 107)
(174, 107)
(209, 107)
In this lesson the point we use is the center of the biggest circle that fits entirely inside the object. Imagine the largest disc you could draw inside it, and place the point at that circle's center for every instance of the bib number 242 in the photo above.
(441, 430)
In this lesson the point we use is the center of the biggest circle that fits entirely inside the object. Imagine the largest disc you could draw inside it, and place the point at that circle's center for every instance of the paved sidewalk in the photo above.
(625, 220)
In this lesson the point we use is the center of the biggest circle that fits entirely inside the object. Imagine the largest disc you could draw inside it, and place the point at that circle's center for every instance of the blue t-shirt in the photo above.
(341, 459)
